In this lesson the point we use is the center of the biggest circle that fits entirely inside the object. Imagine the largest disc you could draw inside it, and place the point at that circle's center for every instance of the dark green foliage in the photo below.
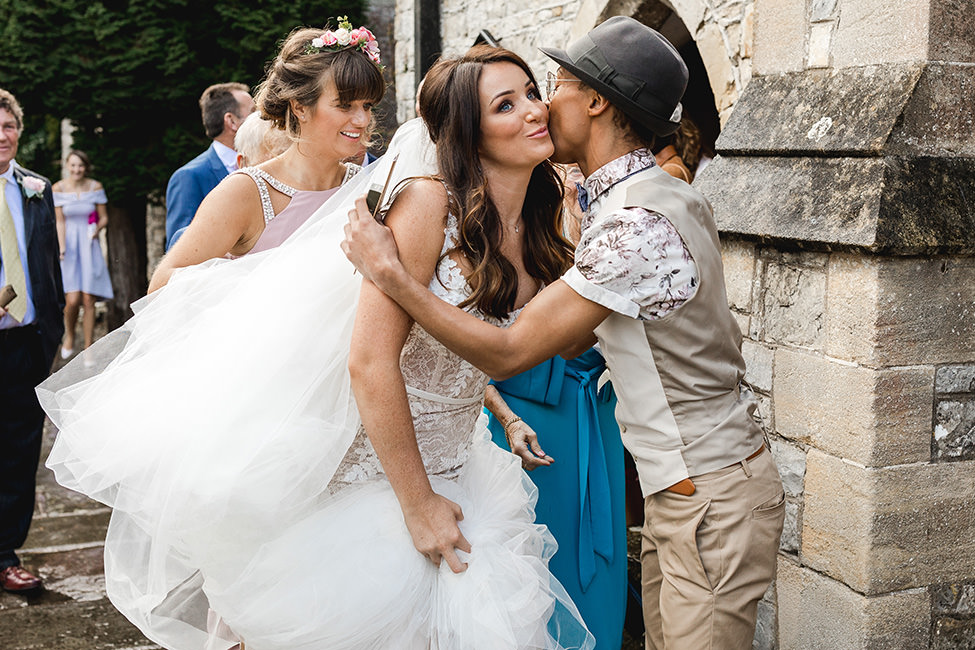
(129, 73)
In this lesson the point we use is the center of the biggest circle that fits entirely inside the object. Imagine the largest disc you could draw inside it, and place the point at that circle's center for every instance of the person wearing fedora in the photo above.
(648, 282)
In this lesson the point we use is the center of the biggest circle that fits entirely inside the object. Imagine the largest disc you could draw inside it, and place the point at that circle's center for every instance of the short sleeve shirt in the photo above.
(631, 260)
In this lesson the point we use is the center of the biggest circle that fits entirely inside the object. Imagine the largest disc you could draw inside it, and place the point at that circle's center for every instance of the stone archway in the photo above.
(722, 30)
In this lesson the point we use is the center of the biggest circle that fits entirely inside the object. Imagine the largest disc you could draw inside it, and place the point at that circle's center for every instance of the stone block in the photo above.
(791, 462)
(954, 600)
(743, 320)
(691, 13)
(822, 10)
(889, 529)
(793, 305)
(883, 204)
(780, 36)
(586, 17)
(955, 379)
(792, 525)
(820, 111)
(938, 119)
(808, 200)
(853, 295)
(738, 258)
(728, 11)
(820, 36)
(747, 47)
(721, 74)
(886, 311)
(766, 623)
(950, 35)
(816, 612)
(953, 634)
(954, 429)
(804, 258)
(872, 417)
(758, 365)
(869, 32)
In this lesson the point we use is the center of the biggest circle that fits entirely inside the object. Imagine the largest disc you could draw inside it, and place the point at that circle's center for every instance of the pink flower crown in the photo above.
(346, 37)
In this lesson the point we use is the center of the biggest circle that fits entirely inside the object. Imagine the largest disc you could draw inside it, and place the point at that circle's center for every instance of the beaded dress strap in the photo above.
(261, 178)
(351, 169)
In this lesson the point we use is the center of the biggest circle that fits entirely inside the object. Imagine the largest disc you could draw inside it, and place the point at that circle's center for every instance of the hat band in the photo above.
(586, 56)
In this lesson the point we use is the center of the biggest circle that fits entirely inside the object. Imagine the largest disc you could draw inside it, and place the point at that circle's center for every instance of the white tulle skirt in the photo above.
(213, 422)
(348, 577)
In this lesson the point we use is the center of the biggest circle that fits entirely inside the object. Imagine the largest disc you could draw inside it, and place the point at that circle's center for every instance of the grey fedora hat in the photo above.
(634, 67)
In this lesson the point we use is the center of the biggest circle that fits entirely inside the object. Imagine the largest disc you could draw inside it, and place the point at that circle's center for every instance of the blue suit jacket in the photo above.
(43, 265)
(187, 187)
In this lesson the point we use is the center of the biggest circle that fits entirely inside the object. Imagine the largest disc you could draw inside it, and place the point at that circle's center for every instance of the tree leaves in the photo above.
(129, 74)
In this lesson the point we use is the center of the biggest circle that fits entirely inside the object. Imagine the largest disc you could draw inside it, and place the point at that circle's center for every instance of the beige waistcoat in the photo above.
(680, 410)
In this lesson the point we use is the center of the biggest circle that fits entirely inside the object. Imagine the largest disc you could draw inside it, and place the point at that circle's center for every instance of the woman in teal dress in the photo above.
(579, 478)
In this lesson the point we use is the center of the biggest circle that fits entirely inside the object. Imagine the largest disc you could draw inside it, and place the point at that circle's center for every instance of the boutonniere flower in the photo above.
(33, 187)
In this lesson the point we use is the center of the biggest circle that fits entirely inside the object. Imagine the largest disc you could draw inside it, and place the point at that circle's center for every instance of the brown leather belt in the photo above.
(686, 487)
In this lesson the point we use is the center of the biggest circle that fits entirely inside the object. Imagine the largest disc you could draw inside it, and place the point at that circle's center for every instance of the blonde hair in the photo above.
(258, 140)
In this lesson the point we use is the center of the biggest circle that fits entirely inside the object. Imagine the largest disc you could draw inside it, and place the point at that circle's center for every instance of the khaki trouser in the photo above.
(708, 558)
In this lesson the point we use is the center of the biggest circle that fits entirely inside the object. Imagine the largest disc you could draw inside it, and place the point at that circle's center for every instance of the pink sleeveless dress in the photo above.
(278, 227)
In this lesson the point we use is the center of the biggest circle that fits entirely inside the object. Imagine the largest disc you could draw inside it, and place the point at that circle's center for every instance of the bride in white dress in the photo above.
(222, 429)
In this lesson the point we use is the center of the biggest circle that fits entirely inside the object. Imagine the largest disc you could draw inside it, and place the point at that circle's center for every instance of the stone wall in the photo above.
(841, 193)
(722, 29)
(872, 420)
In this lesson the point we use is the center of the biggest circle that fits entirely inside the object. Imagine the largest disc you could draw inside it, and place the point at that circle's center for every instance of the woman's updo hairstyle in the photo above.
(299, 75)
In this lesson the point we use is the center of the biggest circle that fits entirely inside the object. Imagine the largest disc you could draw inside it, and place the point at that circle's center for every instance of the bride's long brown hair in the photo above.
(450, 106)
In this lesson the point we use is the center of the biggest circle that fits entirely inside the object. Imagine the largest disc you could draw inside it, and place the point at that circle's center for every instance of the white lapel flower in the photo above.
(33, 187)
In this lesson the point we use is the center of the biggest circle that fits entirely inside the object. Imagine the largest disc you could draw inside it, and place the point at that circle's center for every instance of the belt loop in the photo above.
(746, 468)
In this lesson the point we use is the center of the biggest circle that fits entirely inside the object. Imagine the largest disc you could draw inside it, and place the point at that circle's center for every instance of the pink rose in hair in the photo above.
(354, 37)
(369, 36)
(329, 39)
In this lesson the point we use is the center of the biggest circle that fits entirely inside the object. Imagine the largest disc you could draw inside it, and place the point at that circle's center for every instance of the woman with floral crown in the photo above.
(321, 95)
(286, 452)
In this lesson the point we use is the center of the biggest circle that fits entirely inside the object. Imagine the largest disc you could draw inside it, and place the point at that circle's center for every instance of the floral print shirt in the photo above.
(632, 260)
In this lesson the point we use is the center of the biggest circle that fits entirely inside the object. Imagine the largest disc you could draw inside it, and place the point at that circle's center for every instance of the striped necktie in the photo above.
(10, 255)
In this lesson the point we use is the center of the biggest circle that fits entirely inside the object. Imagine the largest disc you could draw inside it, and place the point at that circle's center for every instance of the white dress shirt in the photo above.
(227, 156)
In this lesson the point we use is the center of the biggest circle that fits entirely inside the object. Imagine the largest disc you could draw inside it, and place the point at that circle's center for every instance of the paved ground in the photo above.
(65, 547)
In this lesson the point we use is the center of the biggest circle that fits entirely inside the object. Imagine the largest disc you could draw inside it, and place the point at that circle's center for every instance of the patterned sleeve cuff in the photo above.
(599, 295)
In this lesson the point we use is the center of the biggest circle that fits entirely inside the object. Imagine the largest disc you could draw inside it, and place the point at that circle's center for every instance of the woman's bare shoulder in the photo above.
(236, 196)
(423, 193)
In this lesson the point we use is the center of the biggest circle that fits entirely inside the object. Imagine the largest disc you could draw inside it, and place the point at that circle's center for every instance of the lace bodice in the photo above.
(446, 393)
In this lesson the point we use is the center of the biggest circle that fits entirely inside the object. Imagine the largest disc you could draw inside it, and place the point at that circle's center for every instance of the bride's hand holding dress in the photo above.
(417, 219)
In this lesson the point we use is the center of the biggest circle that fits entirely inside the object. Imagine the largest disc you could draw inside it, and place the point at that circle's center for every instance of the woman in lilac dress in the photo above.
(324, 103)
(79, 205)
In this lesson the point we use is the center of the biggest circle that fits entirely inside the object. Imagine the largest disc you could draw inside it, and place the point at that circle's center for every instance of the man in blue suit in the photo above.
(31, 327)
(224, 107)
